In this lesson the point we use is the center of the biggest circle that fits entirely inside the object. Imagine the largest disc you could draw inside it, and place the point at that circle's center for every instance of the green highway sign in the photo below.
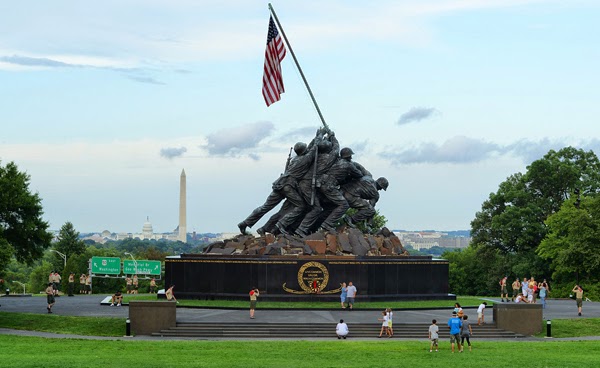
(143, 267)
(106, 265)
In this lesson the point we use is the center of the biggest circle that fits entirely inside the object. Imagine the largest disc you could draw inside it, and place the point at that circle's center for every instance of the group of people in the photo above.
(318, 185)
(348, 294)
(526, 291)
(386, 323)
(460, 328)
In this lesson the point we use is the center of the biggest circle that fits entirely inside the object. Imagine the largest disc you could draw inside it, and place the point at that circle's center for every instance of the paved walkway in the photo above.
(90, 306)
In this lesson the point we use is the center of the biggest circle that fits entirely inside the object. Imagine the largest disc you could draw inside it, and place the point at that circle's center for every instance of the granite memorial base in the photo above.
(521, 318)
(149, 316)
(307, 278)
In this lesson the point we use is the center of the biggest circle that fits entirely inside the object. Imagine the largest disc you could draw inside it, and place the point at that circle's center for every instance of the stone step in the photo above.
(296, 330)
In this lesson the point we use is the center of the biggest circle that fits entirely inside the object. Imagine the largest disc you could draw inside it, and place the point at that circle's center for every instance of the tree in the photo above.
(512, 219)
(573, 241)
(68, 244)
(23, 233)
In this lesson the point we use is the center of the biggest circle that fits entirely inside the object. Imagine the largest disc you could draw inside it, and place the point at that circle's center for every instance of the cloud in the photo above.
(416, 114)
(172, 152)
(303, 133)
(233, 142)
(33, 62)
(465, 150)
(459, 149)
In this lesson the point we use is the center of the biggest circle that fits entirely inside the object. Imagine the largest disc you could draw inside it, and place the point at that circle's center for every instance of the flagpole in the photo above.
(298, 66)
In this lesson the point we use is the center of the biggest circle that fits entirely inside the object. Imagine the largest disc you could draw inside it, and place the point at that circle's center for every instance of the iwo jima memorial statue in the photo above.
(325, 233)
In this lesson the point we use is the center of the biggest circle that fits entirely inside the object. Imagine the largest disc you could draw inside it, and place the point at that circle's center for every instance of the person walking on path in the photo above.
(503, 289)
(254, 293)
(466, 332)
(433, 335)
(351, 294)
(82, 284)
(344, 295)
(455, 324)
(384, 324)
(341, 330)
(480, 311)
(516, 286)
(50, 297)
(390, 315)
(578, 298)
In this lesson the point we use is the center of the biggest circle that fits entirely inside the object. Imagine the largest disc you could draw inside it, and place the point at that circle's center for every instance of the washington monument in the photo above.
(182, 210)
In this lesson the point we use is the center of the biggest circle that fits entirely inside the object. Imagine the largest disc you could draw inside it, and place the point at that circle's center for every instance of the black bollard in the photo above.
(127, 327)
(548, 328)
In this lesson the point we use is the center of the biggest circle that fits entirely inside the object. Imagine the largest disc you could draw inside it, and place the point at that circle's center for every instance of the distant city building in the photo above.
(426, 240)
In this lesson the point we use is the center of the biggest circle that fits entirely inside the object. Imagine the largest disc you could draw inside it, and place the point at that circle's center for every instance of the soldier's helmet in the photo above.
(300, 148)
(346, 153)
(383, 183)
(325, 146)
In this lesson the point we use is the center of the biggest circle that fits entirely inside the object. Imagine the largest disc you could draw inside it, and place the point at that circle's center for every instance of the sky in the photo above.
(104, 104)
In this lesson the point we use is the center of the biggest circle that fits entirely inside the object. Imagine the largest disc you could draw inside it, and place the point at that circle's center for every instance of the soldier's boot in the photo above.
(242, 226)
(281, 229)
(301, 233)
(261, 231)
(349, 222)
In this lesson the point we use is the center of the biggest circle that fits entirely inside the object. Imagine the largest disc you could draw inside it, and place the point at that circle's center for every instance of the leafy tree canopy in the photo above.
(23, 233)
(513, 218)
(573, 241)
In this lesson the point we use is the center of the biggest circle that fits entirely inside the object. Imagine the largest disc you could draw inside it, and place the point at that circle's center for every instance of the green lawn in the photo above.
(66, 353)
(465, 301)
(88, 326)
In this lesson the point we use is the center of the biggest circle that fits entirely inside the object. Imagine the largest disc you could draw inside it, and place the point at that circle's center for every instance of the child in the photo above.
(466, 333)
(390, 315)
(384, 323)
(433, 335)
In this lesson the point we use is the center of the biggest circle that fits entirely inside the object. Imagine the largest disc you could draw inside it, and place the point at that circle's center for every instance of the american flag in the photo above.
(275, 52)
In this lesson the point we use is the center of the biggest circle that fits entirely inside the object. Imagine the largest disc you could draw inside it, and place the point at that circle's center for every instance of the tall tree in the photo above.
(68, 243)
(512, 219)
(23, 233)
(573, 241)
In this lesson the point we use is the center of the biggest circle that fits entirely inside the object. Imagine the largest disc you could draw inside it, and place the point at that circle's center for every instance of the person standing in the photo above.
(578, 298)
(516, 286)
(71, 283)
(82, 284)
(152, 285)
(503, 289)
(254, 293)
(58, 281)
(343, 295)
(480, 316)
(50, 297)
(455, 324)
(524, 287)
(543, 294)
(466, 332)
(88, 284)
(351, 294)
(129, 284)
(384, 324)
(135, 284)
(341, 330)
(390, 315)
(433, 335)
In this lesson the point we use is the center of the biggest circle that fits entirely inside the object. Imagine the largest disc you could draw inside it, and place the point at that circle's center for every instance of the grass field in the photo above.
(66, 353)
(465, 301)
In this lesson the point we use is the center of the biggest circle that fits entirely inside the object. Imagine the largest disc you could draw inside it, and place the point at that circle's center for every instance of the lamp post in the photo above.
(134, 261)
(20, 283)
(64, 257)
